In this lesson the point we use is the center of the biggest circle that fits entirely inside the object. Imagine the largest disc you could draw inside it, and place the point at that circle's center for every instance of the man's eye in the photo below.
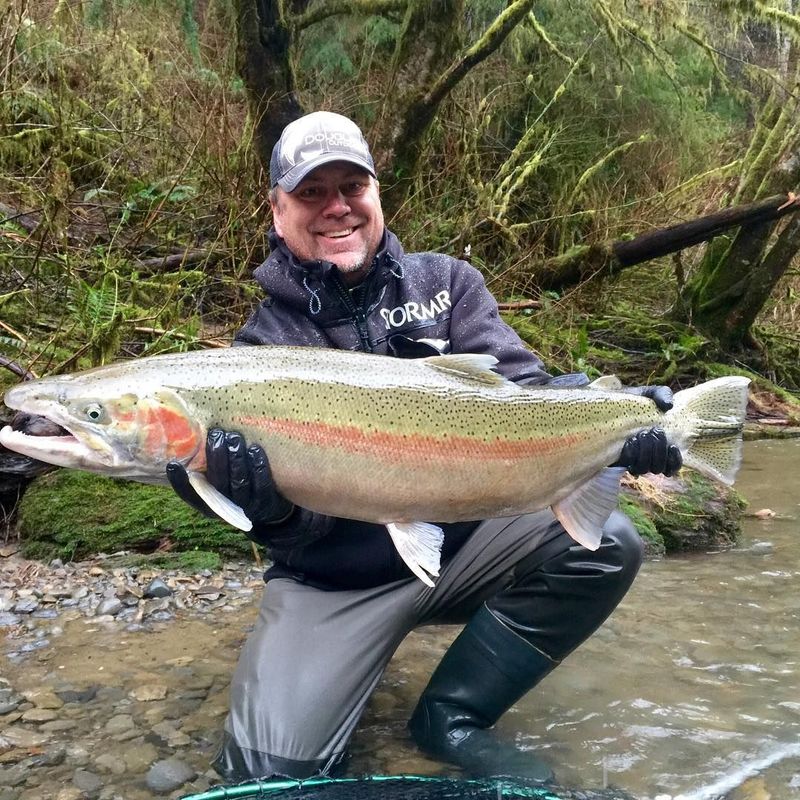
(356, 187)
(310, 193)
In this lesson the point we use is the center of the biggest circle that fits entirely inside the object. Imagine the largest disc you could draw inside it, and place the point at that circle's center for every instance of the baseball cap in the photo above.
(313, 140)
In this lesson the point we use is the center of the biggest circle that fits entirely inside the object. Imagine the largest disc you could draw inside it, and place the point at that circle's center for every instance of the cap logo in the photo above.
(320, 135)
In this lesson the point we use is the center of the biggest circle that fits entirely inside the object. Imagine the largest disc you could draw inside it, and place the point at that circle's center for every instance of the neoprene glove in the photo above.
(241, 473)
(650, 451)
(660, 395)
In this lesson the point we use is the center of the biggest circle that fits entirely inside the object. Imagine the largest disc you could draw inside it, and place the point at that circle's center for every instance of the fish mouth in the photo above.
(43, 439)
(37, 425)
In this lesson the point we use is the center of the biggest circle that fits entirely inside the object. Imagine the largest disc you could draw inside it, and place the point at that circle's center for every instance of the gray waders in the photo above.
(528, 594)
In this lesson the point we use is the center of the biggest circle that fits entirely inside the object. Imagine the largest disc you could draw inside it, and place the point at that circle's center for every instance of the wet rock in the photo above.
(121, 723)
(77, 755)
(110, 694)
(139, 758)
(88, 782)
(168, 775)
(58, 726)
(26, 606)
(70, 793)
(108, 607)
(77, 695)
(52, 757)
(148, 693)
(44, 698)
(157, 588)
(110, 764)
(12, 776)
(38, 715)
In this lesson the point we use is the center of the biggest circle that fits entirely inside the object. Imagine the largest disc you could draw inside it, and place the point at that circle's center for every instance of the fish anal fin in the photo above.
(420, 546)
(584, 512)
(472, 366)
(218, 503)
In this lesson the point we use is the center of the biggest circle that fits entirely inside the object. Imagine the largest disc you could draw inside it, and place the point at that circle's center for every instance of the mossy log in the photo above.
(72, 515)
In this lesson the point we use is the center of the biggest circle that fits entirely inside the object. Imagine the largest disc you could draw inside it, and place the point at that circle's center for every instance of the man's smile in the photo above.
(340, 234)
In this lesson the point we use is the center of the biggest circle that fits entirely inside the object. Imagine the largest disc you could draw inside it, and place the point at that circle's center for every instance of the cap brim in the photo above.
(290, 181)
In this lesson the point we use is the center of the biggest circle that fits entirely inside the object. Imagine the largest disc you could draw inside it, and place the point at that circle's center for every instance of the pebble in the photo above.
(168, 775)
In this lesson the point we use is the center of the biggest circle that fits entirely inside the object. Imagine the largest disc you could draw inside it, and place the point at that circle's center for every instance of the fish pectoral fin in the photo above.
(218, 503)
(420, 546)
(586, 510)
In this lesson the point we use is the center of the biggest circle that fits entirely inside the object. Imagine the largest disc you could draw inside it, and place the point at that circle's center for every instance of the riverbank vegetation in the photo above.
(527, 137)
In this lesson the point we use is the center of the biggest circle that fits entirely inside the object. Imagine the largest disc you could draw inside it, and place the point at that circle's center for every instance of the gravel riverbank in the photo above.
(114, 679)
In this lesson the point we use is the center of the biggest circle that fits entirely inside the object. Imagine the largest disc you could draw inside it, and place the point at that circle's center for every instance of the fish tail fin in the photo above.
(710, 417)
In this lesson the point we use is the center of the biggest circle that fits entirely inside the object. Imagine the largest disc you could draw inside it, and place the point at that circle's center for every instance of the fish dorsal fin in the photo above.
(606, 383)
(472, 366)
(586, 510)
(218, 503)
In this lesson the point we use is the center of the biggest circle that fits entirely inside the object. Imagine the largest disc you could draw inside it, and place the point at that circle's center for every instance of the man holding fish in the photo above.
(339, 598)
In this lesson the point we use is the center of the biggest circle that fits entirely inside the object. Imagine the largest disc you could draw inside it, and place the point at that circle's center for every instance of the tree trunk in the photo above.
(582, 262)
(264, 62)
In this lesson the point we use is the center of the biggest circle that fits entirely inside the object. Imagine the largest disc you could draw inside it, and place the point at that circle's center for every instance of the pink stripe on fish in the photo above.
(380, 444)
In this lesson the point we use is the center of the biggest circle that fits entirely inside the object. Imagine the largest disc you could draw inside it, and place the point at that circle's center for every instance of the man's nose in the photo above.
(336, 205)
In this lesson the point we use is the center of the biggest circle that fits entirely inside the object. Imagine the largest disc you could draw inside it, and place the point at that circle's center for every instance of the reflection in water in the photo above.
(694, 680)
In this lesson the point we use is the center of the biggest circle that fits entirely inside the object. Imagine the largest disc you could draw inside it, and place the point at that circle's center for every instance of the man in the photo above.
(339, 600)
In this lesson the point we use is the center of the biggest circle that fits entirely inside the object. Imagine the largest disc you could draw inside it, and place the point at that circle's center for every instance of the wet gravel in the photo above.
(96, 699)
(114, 681)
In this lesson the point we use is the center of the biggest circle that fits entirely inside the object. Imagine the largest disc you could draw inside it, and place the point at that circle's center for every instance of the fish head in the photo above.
(119, 431)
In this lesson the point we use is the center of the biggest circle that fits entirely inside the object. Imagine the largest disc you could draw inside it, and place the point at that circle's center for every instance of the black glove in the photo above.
(660, 395)
(649, 451)
(241, 474)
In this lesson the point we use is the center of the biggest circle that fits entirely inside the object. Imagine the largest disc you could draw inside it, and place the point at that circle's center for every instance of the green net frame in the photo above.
(265, 789)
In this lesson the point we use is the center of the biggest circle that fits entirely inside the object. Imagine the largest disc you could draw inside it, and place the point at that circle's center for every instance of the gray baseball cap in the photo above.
(313, 140)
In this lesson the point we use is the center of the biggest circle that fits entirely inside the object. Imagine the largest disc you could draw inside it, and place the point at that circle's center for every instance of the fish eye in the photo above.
(95, 412)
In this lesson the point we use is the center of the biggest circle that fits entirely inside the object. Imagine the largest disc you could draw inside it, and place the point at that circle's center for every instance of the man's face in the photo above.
(333, 215)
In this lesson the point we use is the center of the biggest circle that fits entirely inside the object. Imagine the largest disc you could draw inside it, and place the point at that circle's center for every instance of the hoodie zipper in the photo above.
(357, 313)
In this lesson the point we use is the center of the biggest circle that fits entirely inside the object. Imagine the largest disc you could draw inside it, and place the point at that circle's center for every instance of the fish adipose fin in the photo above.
(714, 413)
(420, 546)
(472, 366)
(218, 503)
(586, 510)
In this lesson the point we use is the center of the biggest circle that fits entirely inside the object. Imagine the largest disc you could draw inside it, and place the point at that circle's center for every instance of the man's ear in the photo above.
(276, 216)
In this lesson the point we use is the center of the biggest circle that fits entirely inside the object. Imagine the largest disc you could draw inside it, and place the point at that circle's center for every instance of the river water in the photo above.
(689, 691)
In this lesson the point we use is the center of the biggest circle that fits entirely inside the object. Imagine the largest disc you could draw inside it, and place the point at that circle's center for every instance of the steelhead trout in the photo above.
(374, 438)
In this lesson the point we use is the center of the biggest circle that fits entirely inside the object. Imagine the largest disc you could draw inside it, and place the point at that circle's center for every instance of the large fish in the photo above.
(393, 441)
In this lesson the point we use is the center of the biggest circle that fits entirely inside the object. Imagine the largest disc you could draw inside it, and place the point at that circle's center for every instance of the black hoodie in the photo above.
(418, 296)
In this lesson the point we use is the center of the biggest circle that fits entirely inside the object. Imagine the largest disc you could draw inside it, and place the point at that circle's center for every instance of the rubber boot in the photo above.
(483, 673)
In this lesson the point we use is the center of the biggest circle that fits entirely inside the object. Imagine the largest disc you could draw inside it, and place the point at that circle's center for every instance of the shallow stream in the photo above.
(690, 691)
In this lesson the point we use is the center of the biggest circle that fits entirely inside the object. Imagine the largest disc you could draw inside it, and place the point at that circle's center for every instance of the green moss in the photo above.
(70, 514)
(702, 515)
(635, 509)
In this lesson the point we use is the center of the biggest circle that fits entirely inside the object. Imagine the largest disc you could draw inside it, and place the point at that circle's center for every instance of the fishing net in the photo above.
(406, 787)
